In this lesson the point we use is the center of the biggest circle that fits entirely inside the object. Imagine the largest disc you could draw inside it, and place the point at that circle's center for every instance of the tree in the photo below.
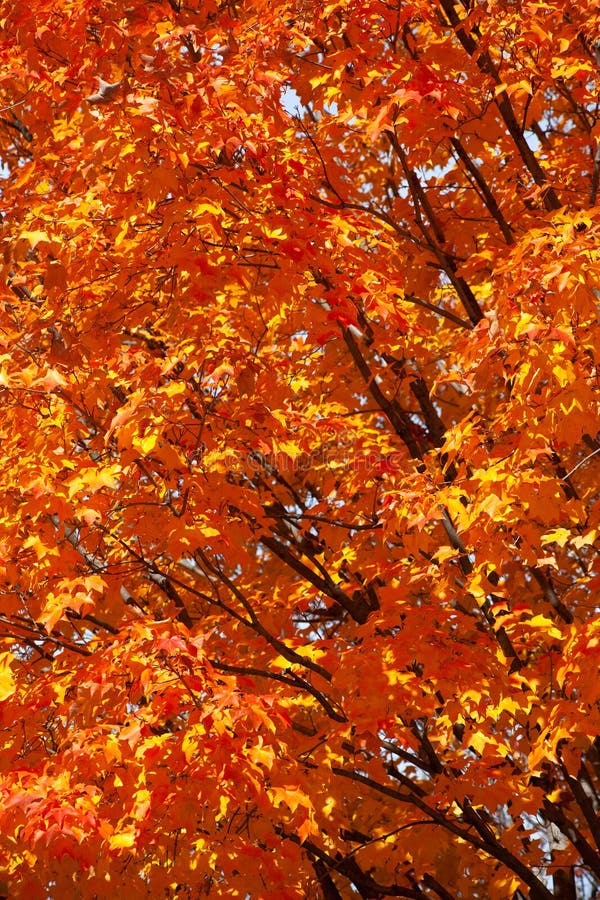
(299, 413)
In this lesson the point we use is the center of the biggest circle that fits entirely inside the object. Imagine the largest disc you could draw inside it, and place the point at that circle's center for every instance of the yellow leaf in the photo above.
(558, 536)
(291, 796)
(33, 541)
(547, 624)
(288, 448)
(122, 232)
(7, 681)
(585, 539)
(191, 740)
(223, 804)
(122, 840)
(208, 207)
(492, 505)
(146, 444)
(94, 583)
(274, 233)
(478, 741)
(563, 374)
(310, 652)
(53, 611)
(92, 479)
(35, 238)
(141, 804)
(262, 756)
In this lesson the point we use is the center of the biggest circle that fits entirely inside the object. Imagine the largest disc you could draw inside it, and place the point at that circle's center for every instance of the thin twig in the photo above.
(579, 464)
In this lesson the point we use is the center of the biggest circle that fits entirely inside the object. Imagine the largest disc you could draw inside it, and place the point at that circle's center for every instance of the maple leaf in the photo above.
(300, 423)
(7, 680)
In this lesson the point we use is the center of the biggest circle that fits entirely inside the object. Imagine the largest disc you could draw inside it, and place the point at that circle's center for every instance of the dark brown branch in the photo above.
(488, 197)
(169, 590)
(448, 265)
(550, 595)
(348, 867)
(484, 62)
(88, 617)
(326, 883)
(434, 423)
(358, 611)
(438, 310)
(335, 523)
(256, 625)
(398, 419)
(557, 816)
(490, 845)
(433, 884)
(408, 757)
(420, 733)
(292, 679)
(583, 802)
(500, 634)
(17, 624)
(595, 178)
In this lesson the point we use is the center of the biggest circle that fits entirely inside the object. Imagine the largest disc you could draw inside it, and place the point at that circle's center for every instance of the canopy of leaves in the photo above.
(300, 428)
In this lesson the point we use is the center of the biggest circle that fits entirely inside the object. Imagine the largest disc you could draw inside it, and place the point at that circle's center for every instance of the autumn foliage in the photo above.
(299, 411)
